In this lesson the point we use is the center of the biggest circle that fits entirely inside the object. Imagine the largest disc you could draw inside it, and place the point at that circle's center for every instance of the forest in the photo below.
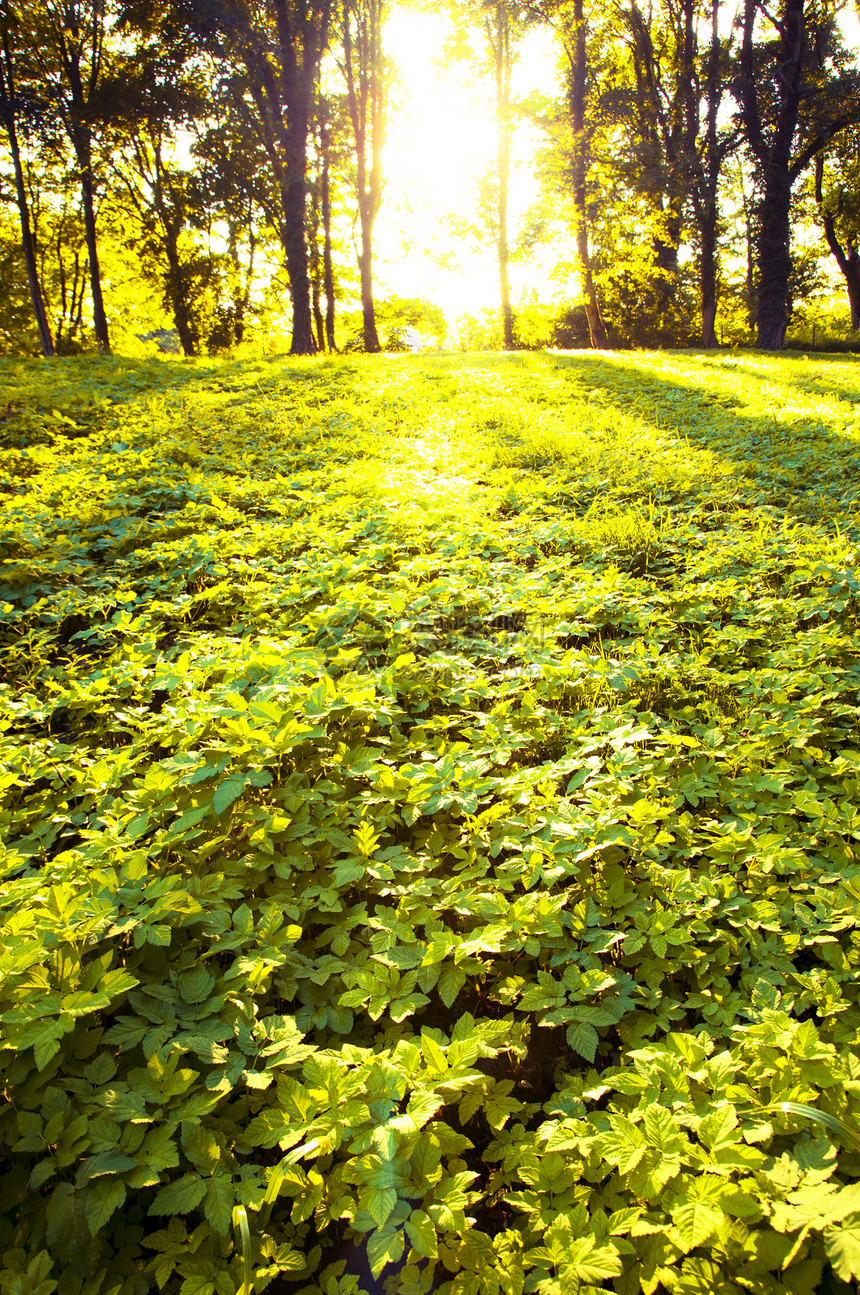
(200, 174)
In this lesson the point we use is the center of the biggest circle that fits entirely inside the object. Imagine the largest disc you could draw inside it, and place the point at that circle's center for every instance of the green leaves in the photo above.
(227, 792)
(355, 849)
(180, 1197)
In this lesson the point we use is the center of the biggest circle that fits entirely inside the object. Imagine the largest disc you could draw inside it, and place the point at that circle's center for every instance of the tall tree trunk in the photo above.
(773, 156)
(504, 164)
(363, 67)
(328, 268)
(315, 260)
(178, 297)
(774, 258)
(577, 56)
(7, 91)
(708, 279)
(295, 245)
(498, 32)
(83, 154)
(706, 189)
(368, 310)
(847, 258)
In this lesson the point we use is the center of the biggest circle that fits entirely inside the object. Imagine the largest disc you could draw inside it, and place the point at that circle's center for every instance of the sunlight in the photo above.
(441, 142)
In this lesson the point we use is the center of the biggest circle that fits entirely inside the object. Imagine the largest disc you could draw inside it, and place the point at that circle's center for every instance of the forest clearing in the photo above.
(430, 825)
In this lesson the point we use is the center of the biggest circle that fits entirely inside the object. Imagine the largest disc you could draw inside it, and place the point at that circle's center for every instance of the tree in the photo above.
(280, 44)
(502, 21)
(159, 195)
(366, 79)
(839, 212)
(795, 93)
(329, 134)
(8, 111)
(575, 44)
(711, 144)
(71, 53)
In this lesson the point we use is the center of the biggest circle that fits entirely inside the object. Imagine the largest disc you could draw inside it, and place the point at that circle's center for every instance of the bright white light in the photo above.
(441, 141)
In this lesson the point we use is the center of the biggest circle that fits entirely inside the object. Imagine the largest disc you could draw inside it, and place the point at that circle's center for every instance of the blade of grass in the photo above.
(274, 1188)
(242, 1233)
(831, 1122)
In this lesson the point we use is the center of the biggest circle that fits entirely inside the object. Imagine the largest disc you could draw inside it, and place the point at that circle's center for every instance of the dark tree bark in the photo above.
(7, 111)
(847, 257)
(772, 103)
(576, 50)
(316, 260)
(80, 34)
(328, 268)
(283, 91)
(664, 125)
(708, 165)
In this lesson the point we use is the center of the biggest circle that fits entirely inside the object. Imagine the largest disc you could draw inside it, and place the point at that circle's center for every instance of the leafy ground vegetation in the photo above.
(430, 805)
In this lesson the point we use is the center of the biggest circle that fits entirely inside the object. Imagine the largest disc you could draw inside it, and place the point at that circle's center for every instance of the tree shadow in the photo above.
(782, 457)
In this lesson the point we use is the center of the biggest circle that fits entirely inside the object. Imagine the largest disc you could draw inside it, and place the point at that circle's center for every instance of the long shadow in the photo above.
(823, 462)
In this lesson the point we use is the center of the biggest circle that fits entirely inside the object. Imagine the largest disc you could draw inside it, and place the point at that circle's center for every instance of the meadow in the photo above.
(430, 820)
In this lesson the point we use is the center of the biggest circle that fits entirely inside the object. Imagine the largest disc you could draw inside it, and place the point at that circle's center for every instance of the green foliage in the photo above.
(429, 802)
(397, 319)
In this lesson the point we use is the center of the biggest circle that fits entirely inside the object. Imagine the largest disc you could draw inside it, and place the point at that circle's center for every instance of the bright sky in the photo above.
(441, 138)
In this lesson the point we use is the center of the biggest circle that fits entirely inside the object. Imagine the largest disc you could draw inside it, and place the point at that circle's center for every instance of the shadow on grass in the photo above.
(778, 448)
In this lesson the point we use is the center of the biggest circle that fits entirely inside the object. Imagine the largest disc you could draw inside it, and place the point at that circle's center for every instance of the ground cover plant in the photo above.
(430, 819)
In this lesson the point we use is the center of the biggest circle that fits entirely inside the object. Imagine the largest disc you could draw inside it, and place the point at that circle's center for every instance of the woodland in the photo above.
(207, 173)
(429, 783)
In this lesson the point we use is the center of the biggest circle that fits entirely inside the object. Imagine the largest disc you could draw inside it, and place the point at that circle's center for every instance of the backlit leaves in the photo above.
(460, 874)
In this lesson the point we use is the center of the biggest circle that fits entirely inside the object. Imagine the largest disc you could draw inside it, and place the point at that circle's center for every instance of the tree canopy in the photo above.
(692, 171)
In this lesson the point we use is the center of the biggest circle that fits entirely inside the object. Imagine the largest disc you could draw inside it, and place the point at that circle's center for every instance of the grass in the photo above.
(430, 825)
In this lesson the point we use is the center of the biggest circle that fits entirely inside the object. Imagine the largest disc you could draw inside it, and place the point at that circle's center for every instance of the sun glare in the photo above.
(441, 142)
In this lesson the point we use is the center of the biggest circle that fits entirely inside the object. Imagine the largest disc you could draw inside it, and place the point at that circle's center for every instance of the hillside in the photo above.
(430, 807)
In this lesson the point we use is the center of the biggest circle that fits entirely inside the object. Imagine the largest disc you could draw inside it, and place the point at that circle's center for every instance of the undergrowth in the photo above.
(430, 820)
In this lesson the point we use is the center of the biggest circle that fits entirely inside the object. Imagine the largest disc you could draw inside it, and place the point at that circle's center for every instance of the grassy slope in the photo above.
(443, 770)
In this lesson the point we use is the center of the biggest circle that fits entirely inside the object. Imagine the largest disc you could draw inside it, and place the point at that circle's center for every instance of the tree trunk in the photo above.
(706, 188)
(178, 298)
(296, 252)
(774, 258)
(577, 56)
(853, 285)
(363, 67)
(365, 270)
(27, 241)
(498, 33)
(83, 153)
(328, 269)
(708, 279)
(846, 258)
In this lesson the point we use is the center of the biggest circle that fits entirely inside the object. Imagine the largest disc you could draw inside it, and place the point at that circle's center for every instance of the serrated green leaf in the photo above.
(842, 1246)
(385, 1246)
(180, 1197)
(218, 1203)
(102, 1199)
(583, 1038)
(379, 1202)
(695, 1221)
(226, 792)
(422, 1234)
(105, 1162)
(451, 980)
(719, 1128)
